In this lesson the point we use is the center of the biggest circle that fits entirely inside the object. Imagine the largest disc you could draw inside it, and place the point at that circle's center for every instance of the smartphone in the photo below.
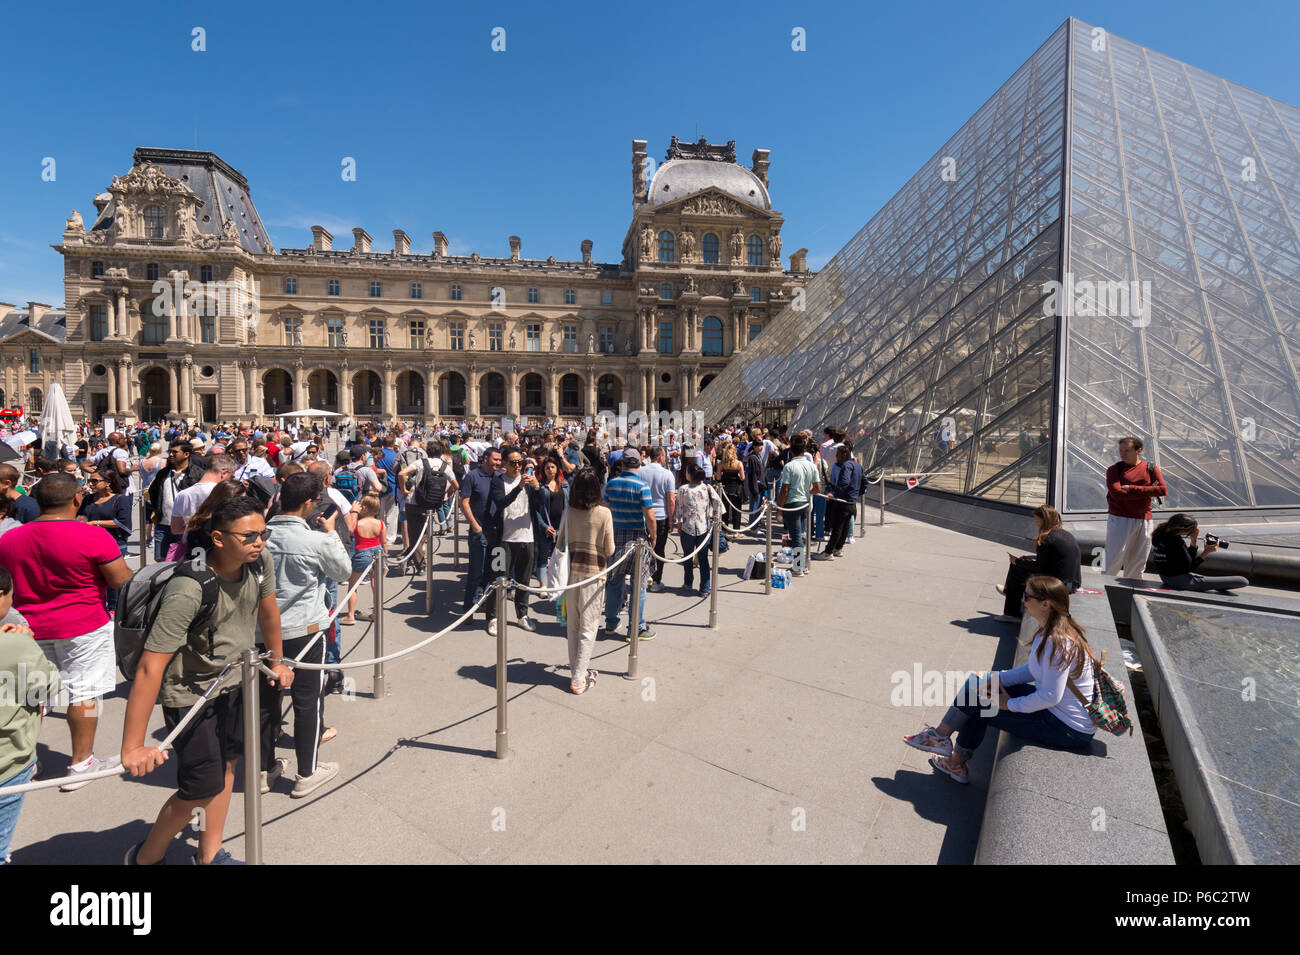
(529, 471)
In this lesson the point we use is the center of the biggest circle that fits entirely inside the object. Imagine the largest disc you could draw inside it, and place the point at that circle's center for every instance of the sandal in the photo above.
(344, 621)
(580, 688)
(329, 734)
(945, 765)
(365, 615)
(929, 740)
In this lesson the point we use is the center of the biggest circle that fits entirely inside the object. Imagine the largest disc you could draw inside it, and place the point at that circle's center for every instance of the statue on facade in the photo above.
(473, 341)
(229, 231)
(740, 286)
(774, 248)
(74, 223)
(552, 341)
(513, 340)
(647, 242)
(690, 284)
(737, 246)
(591, 342)
(686, 239)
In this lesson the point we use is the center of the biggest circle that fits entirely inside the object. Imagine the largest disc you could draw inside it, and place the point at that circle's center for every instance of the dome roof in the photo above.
(678, 178)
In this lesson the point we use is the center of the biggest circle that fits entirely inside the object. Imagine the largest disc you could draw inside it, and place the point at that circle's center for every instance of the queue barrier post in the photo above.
(144, 529)
(377, 570)
(882, 499)
(503, 680)
(634, 608)
(713, 589)
(455, 537)
(805, 552)
(252, 759)
(767, 561)
(428, 564)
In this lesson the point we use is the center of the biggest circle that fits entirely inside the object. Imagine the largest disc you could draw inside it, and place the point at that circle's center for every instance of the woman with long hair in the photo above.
(1174, 557)
(1057, 556)
(697, 508)
(588, 535)
(731, 475)
(106, 506)
(1033, 701)
(553, 498)
(368, 537)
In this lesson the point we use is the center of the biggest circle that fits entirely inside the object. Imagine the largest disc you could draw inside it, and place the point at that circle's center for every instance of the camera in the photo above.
(1211, 539)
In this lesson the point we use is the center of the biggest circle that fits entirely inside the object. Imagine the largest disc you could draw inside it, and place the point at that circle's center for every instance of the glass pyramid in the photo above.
(1109, 246)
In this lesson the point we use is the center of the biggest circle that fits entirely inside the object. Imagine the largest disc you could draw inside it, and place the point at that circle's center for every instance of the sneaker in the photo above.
(705, 591)
(130, 857)
(849, 541)
(611, 631)
(644, 634)
(655, 587)
(306, 785)
(824, 555)
(930, 740)
(944, 765)
(527, 623)
(89, 766)
(221, 858)
(1006, 618)
(1000, 588)
(800, 573)
(269, 776)
(490, 625)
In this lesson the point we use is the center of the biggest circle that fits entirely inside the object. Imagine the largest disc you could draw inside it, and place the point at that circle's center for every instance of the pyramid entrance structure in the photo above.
(1109, 246)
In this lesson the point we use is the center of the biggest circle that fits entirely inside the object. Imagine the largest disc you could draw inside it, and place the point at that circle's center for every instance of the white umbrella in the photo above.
(57, 426)
(310, 413)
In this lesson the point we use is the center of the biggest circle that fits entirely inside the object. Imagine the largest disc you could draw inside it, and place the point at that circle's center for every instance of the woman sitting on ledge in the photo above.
(1042, 711)
(1057, 556)
(1176, 560)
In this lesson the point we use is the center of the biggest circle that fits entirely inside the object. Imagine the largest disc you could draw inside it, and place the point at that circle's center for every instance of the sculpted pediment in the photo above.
(149, 180)
(712, 202)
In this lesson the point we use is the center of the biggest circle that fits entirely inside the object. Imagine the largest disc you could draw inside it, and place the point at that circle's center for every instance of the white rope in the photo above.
(762, 514)
(708, 539)
(353, 664)
(555, 591)
(787, 510)
(115, 767)
(415, 549)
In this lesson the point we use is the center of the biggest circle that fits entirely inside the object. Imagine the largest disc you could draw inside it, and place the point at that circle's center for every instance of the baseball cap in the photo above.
(631, 458)
(358, 452)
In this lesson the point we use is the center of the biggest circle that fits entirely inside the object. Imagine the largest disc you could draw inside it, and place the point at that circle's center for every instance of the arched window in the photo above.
(711, 248)
(607, 393)
(495, 396)
(533, 388)
(570, 394)
(712, 336)
(755, 246)
(153, 223)
(666, 246)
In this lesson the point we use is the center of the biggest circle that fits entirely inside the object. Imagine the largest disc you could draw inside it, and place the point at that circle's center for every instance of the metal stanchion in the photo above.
(428, 563)
(806, 550)
(713, 590)
(503, 735)
(252, 759)
(144, 530)
(379, 568)
(882, 500)
(634, 609)
(767, 582)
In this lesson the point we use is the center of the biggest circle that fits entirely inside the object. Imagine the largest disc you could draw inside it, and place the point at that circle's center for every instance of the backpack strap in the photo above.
(209, 586)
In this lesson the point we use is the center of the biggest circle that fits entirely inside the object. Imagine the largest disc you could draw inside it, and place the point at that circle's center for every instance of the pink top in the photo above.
(58, 585)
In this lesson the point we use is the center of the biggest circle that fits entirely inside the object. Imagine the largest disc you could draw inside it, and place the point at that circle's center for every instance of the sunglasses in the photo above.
(248, 537)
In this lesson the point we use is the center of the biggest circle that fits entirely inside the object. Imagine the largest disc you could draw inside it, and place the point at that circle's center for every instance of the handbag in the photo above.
(1108, 709)
(557, 568)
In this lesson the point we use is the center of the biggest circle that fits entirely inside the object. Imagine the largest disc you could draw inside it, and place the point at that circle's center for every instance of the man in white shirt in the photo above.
(663, 494)
(512, 502)
(248, 466)
(116, 453)
(188, 501)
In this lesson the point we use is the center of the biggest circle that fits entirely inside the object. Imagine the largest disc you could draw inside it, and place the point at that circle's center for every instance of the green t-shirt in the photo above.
(801, 475)
(27, 679)
(234, 625)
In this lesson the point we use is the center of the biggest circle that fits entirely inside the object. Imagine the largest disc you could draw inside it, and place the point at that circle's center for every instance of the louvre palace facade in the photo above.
(178, 305)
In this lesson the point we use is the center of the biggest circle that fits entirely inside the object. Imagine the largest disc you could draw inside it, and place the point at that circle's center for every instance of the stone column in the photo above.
(121, 312)
(124, 387)
(512, 391)
(187, 386)
(591, 391)
(345, 390)
(112, 385)
(110, 309)
(471, 394)
(390, 391)
(554, 392)
(299, 385)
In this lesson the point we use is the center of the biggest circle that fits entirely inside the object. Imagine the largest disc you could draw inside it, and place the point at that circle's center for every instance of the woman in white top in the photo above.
(1034, 701)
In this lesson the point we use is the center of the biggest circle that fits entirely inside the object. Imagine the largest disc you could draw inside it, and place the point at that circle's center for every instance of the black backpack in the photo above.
(141, 598)
(194, 471)
(432, 489)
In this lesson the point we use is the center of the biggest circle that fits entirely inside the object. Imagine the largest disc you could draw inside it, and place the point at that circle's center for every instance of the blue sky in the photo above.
(534, 141)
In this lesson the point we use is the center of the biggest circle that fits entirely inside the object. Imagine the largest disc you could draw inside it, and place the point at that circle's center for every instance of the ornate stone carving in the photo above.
(513, 341)
(740, 287)
(229, 231)
(712, 205)
(702, 150)
(74, 223)
(647, 242)
(690, 284)
(208, 242)
(97, 238)
(149, 180)
(591, 343)
(774, 248)
(686, 243)
(473, 341)
(552, 341)
(737, 246)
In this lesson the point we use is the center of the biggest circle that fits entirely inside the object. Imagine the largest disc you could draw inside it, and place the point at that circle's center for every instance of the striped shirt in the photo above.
(627, 496)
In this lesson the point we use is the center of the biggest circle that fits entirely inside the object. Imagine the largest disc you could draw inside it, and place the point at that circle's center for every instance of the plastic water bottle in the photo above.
(561, 610)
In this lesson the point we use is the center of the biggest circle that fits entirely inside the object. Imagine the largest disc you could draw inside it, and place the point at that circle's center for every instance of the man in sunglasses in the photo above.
(162, 495)
(249, 466)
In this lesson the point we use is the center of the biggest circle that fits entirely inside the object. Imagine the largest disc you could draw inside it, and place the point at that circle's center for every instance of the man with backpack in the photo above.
(203, 618)
(386, 468)
(1131, 483)
(433, 485)
(353, 478)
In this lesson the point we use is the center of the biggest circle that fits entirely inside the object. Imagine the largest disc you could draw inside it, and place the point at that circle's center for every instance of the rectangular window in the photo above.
(571, 338)
(34, 361)
(607, 339)
(455, 293)
(376, 289)
(290, 285)
(534, 332)
(570, 297)
(754, 329)
(334, 327)
(292, 330)
(335, 288)
(666, 290)
(496, 334)
(533, 297)
(417, 290)
(208, 329)
(96, 270)
(756, 295)
(456, 335)
(377, 333)
(606, 297)
(665, 338)
(417, 334)
(98, 323)
(151, 272)
(205, 274)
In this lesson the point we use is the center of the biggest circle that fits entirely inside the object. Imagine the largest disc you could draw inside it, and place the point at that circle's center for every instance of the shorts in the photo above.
(87, 664)
(213, 738)
(362, 559)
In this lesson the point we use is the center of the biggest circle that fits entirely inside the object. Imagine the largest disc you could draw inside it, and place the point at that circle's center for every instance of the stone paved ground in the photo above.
(771, 739)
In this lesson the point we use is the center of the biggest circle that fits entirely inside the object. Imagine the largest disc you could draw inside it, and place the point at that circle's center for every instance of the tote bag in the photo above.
(557, 568)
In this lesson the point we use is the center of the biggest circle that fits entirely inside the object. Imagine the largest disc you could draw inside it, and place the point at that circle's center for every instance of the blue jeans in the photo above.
(110, 594)
(796, 524)
(476, 577)
(444, 512)
(1037, 727)
(331, 600)
(689, 543)
(9, 806)
(162, 539)
(819, 517)
(614, 592)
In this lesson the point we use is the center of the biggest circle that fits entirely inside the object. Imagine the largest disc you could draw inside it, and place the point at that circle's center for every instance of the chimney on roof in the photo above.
(639, 170)
(514, 248)
(401, 242)
(360, 240)
(35, 312)
(321, 240)
(761, 164)
(586, 251)
(439, 245)
(5, 309)
(799, 261)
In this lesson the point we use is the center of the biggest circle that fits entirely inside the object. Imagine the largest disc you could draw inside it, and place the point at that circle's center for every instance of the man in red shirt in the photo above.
(1131, 483)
